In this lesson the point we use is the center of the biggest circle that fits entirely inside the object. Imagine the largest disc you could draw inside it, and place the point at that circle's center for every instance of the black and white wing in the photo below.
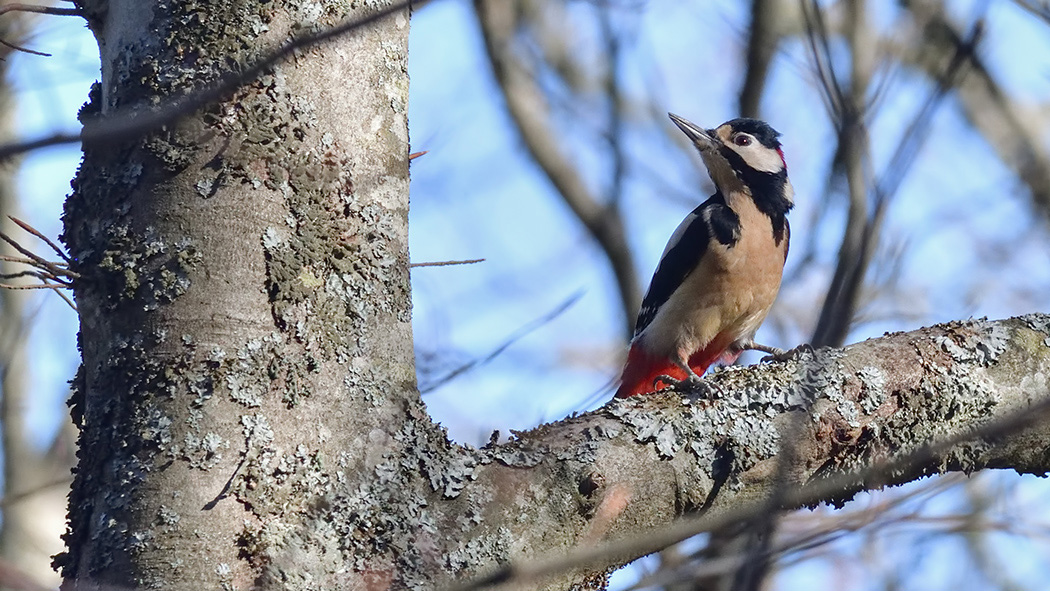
(712, 219)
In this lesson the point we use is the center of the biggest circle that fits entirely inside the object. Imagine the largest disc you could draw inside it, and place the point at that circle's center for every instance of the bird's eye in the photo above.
(742, 140)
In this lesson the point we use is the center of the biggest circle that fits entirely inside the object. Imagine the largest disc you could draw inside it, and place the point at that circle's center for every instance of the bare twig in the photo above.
(55, 271)
(66, 299)
(9, 500)
(41, 236)
(34, 286)
(446, 263)
(39, 9)
(10, 45)
(847, 109)
(1010, 128)
(867, 208)
(53, 275)
(19, 274)
(1042, 11)
(513, 338)
(615, 99)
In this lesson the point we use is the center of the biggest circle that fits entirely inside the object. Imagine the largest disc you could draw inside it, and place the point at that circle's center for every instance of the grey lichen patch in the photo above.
(976, 341)
(646, 425)
(215, 33)
(953, 396)
(478, 550)
(1039, 322)
(135, 427)
(384, 518)
(735, 425)
(448, 467)
(742, 423)
(203, 452)
(119, 261)
(461, 470)
(329, 271)
(873, 392)
(143, 268)
(519, 454)
(821, 376)
(167, 517)
(134, 431)
(268, 366)
(381, 514)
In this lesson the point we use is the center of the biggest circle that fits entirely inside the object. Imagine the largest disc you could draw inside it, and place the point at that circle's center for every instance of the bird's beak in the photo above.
(704, 139)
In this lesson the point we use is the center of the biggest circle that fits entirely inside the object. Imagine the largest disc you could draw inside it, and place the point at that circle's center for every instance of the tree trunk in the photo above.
(244, 301)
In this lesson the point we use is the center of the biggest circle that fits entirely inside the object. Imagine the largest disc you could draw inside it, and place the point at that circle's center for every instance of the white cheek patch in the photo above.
(760, 157)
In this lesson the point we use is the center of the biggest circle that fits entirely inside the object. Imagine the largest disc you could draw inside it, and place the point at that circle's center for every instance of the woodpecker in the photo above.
(721, 268)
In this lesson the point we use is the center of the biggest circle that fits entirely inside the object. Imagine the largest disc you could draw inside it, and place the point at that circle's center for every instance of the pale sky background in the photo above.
(474, 196)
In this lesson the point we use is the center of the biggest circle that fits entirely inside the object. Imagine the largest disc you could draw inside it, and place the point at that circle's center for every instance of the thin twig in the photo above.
(9, 500)
(14, 244)
(11, 259)
(513, 338)
(10, 45)
(35, 286)
(445, 263)
(39, 9)
(38, 261)
(500, 23)
(67, 299)
(35, 274)
(41, 236)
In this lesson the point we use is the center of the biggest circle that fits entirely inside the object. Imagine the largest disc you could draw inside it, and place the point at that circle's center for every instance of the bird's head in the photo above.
(742, 153)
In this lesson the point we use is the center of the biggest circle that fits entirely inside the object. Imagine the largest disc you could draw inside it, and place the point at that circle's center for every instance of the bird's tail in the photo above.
(642, 369)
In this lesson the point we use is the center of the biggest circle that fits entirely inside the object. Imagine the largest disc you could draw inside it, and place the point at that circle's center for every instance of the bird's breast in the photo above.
(732, 289)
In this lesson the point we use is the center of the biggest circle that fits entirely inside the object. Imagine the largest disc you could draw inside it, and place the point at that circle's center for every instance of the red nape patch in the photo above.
(784, 162)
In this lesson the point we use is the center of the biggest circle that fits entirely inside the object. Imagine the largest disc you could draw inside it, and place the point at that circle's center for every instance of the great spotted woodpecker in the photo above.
(721, 269)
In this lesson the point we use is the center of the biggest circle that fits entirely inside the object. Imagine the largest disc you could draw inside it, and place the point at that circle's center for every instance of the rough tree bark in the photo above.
(244, 301)
(247, 399)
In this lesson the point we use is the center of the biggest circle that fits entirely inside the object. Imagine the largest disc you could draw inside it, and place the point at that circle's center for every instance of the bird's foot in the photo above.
(692, 384)
(781, 355)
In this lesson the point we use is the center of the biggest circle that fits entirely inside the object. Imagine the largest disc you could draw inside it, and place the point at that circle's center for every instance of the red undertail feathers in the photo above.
(642, 369)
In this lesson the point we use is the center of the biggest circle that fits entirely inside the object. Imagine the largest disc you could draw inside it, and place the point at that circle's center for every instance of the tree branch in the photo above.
(498, 20)
(1013, 132)
(764, 37)
(954, 397)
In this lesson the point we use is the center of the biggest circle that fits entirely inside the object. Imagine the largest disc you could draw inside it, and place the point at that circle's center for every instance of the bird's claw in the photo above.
(693, 384)
(781, 355)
